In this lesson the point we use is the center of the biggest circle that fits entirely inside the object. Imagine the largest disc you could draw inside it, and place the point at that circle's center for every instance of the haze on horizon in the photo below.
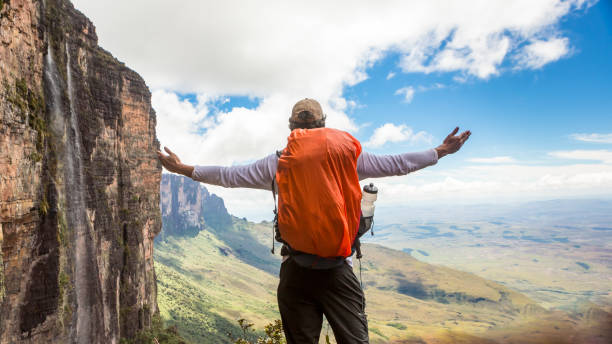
(531, 81)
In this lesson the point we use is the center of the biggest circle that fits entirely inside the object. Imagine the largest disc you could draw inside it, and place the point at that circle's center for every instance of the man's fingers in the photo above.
(464, 136)
(168, 150)
(450, 136)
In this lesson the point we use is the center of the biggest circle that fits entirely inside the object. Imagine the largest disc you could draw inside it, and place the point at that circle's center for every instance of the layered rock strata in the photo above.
(188, 207)
(79, 182)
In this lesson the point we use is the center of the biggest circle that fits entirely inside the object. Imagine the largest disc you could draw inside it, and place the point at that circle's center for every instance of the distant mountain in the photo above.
(187, 207)
(210, 277)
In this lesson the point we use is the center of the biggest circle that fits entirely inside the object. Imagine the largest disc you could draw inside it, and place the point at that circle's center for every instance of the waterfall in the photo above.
(67, 135)
(85, 277)
(54, 101)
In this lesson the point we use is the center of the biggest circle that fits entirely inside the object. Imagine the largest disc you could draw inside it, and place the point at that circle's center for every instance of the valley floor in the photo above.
(208, 281)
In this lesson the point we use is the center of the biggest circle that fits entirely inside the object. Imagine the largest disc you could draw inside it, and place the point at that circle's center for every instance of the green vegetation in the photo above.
(44, 206)
(107, 58)
(63, 281)
(157, 334)
(62, 230)
(273, 334)
(584, 265)
(2, 291)
(209, 280)
(377, 331)
(250, 243)
(31, 104)
(397, 325)
(35, 157)
(186, 306)
(204, 286)
(64, 285)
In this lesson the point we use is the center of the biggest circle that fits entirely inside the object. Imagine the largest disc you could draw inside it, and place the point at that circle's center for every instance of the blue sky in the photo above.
(523, 113)
(531, 81)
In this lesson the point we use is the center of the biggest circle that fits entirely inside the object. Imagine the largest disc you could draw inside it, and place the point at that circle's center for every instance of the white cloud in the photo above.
(262, 48)
(407, 92)
(239, 135)
(475, 53)
(596, 138)
(436, 86)
(494, 160)
(595, 155)
(390, 76)
(541, 52)
(390, 132)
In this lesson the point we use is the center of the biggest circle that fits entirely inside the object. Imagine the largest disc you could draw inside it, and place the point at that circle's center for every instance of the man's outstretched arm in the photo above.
(377, 166)
(258, 175)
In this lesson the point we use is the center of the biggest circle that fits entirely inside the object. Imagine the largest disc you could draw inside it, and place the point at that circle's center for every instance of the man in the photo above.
(305, 294)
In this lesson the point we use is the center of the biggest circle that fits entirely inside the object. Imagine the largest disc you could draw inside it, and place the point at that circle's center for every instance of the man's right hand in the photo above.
(172, 163)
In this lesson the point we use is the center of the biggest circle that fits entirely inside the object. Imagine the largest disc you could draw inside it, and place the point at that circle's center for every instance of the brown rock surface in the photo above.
(79, 182)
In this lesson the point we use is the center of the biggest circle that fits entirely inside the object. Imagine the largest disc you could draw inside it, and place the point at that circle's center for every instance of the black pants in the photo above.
(304, 295)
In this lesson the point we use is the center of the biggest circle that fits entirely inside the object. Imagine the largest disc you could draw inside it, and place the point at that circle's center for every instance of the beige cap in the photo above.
(305, 111)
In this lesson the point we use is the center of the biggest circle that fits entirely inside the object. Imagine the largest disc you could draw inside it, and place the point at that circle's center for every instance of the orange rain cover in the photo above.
(319, 197)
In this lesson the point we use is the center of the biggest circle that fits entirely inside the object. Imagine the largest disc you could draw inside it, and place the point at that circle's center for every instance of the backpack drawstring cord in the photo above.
(272, 250)
(362, 290)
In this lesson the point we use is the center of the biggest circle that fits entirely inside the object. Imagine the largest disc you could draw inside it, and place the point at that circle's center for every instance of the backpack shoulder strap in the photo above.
(275, 231)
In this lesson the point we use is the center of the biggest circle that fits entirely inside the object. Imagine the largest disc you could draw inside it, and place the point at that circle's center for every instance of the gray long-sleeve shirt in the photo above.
(261, 173)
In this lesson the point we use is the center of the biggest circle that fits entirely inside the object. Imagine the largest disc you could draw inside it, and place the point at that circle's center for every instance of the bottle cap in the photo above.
(370, 188)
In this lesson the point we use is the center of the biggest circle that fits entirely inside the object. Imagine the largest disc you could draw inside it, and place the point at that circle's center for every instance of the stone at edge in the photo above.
(117, 127)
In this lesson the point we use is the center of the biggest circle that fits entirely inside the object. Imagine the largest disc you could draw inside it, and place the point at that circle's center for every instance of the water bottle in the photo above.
(368, 197)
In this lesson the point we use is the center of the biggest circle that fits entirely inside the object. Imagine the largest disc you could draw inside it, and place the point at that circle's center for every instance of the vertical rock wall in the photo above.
(79, 182)
(187, 207)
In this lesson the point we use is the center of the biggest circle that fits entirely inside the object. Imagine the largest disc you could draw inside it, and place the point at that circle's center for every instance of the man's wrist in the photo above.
(441, 152)
(185, 170)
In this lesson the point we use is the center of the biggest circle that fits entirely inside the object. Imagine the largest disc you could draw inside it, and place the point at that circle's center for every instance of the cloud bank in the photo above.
(494, 160)
(279, 52)
(595, 138)
(317, 47)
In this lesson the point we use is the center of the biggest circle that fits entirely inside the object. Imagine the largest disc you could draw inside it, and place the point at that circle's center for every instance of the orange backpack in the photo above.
(319, 196)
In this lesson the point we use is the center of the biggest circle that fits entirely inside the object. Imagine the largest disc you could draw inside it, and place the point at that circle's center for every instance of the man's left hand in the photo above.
(452, 143)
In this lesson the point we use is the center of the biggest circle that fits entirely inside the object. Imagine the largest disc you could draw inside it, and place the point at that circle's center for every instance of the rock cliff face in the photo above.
(188, 207)
(79, 182)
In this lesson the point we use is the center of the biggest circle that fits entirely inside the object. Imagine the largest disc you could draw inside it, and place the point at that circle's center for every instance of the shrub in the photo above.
(273, 334)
